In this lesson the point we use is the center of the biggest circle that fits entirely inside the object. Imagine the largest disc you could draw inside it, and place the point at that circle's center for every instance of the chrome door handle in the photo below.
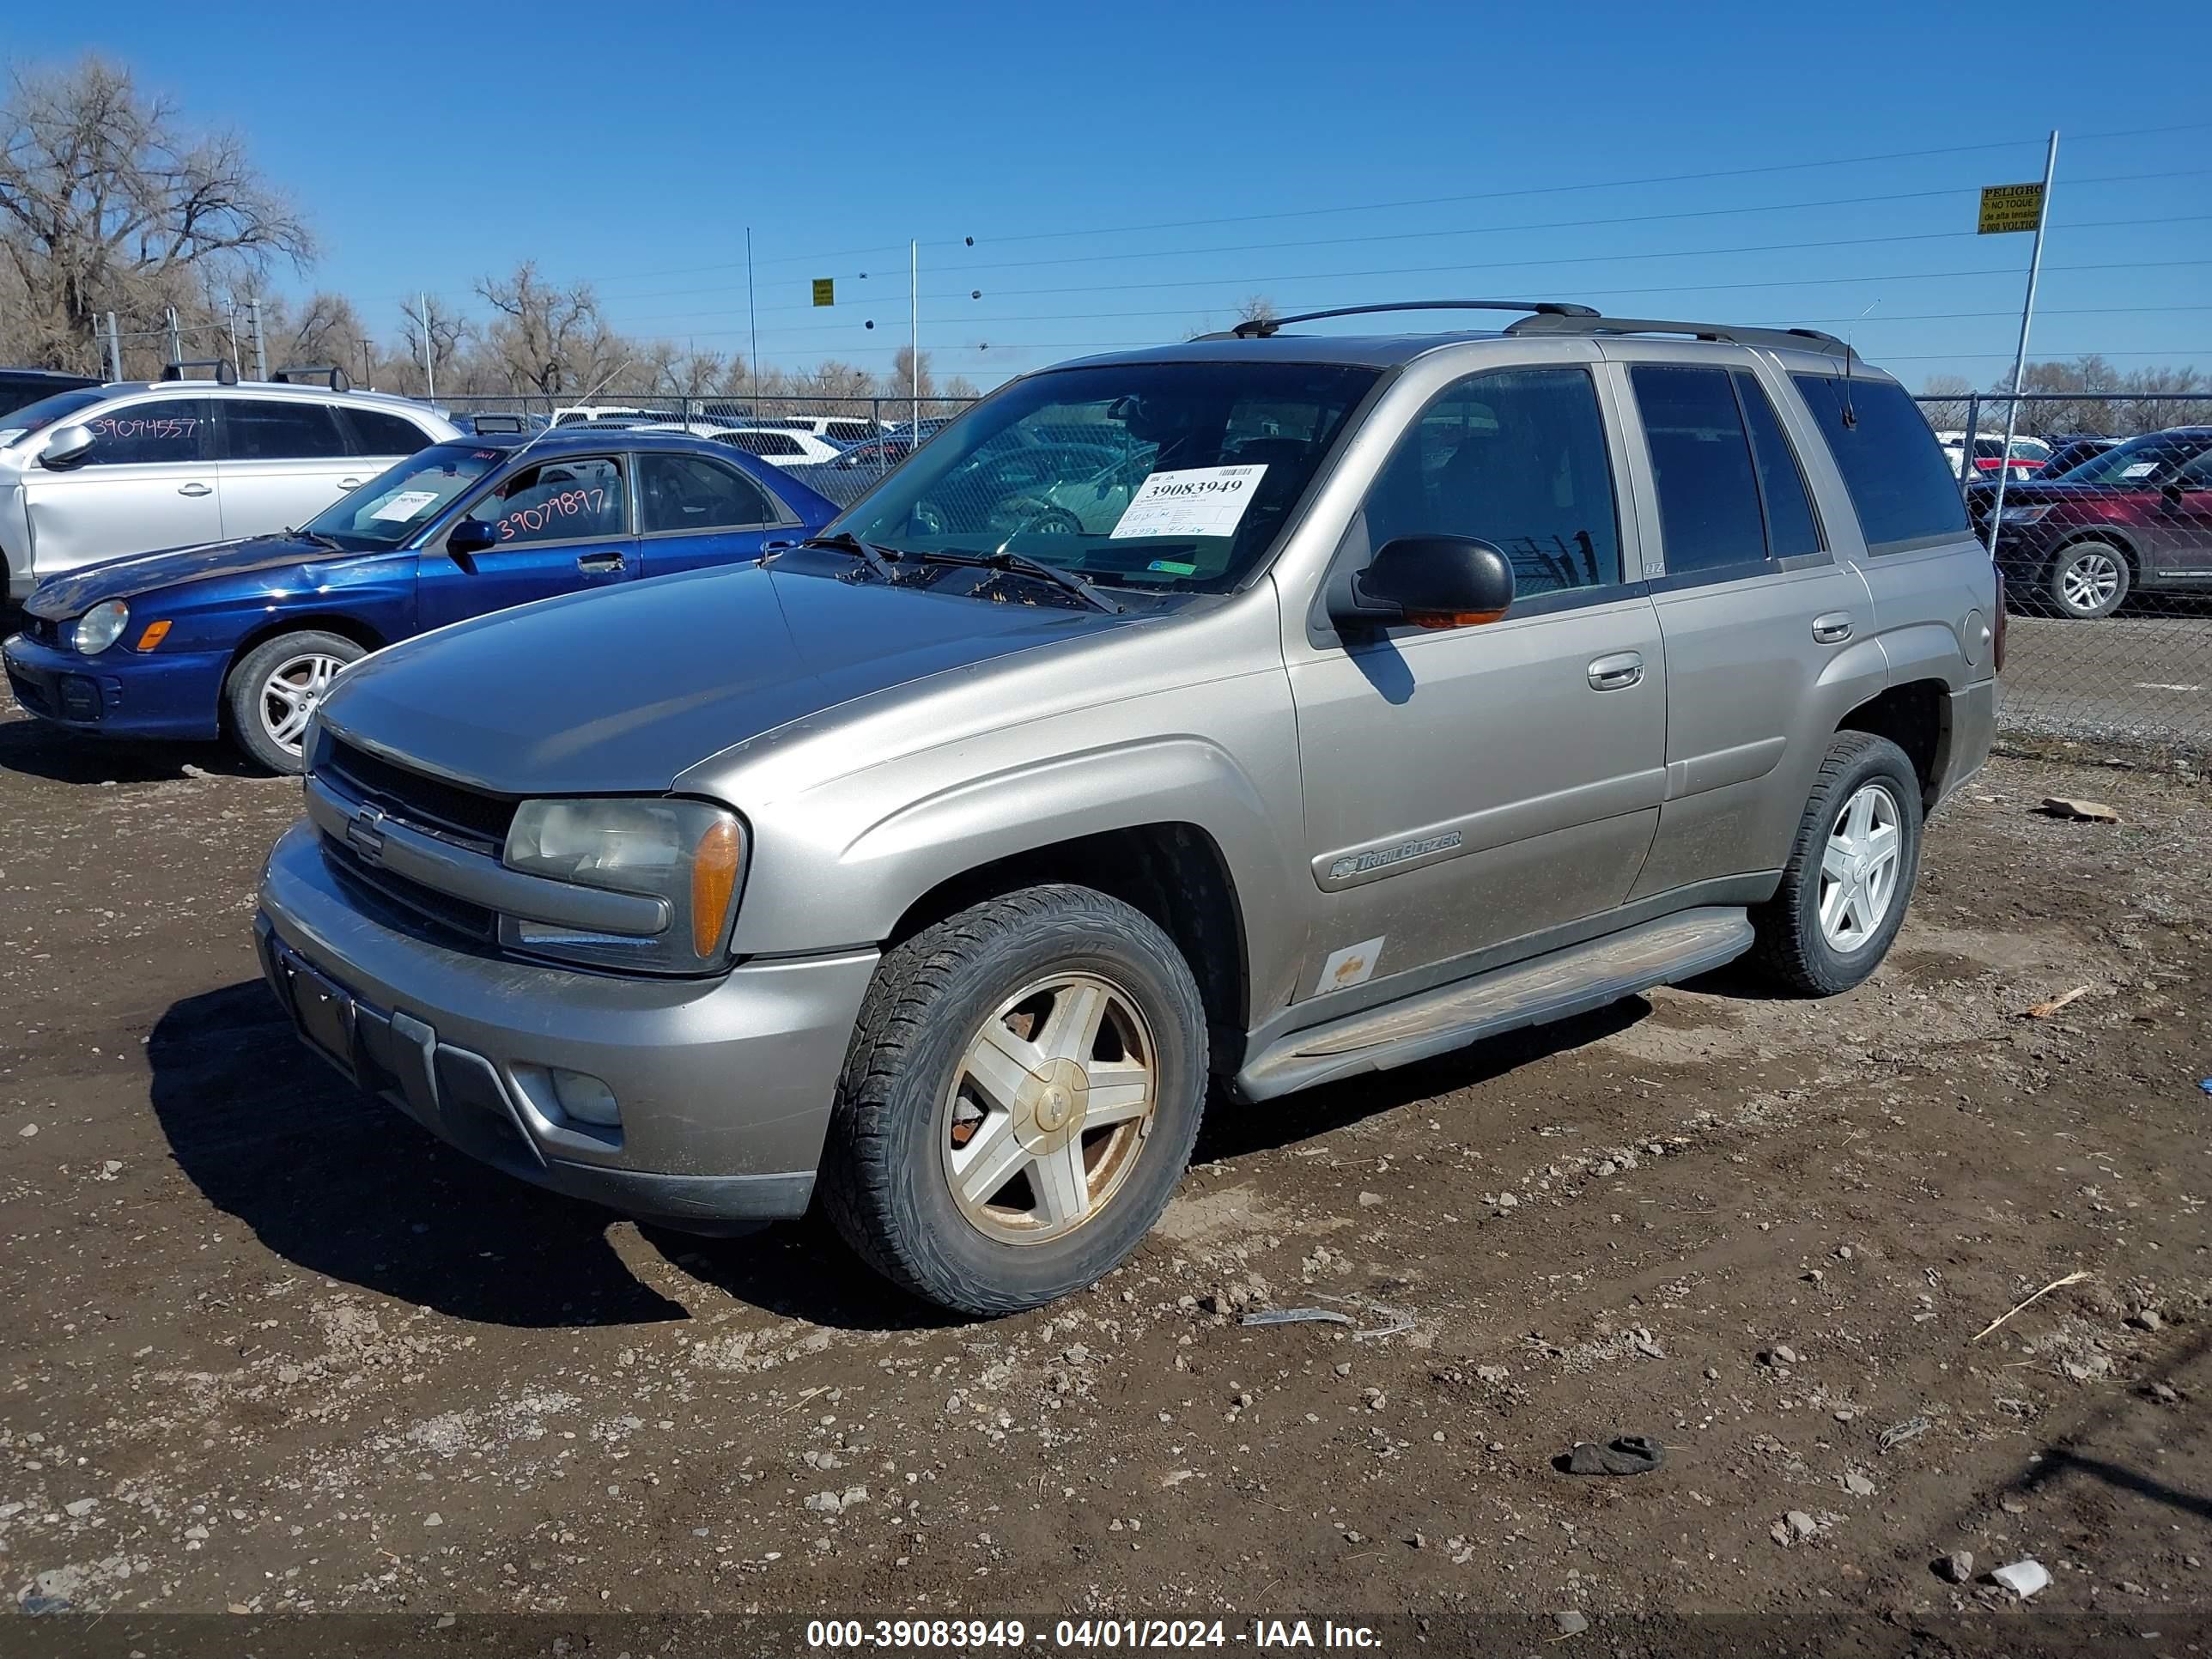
(1616, 673)
(194, 490)
(1833, 629)
(599, 564)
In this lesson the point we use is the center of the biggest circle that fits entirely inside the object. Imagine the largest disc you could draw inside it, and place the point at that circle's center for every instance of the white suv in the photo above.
(104, 472)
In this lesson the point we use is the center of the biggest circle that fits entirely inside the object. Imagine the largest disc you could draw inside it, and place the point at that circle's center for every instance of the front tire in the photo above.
(2088, 580)
(1019, 1100)
(277, 687)
(1850, 870)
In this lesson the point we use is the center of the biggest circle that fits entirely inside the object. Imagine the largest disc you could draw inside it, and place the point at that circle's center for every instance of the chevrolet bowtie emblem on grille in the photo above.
(364, 832)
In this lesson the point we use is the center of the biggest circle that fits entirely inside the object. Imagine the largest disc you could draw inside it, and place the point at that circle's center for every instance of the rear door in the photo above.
(694, 510)
(1753, 607)
(564, 525)
(283, 461)
(2178, 527)
(150, 482)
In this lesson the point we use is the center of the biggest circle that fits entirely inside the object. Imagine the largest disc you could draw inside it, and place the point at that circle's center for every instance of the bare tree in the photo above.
(108, 202)
(551, 339)
(1950, 414)
(444, 333)
(329, 332)
(1256, 309)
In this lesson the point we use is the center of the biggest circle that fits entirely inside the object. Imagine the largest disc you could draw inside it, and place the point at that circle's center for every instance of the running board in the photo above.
(1565, 982)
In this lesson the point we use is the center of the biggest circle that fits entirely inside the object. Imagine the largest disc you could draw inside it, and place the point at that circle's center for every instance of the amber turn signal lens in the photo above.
(713, 878)
(155, 634)
(1439, 619)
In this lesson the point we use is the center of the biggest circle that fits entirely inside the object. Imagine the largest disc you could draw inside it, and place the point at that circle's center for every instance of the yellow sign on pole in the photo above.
(2007, 208)
(825, 288)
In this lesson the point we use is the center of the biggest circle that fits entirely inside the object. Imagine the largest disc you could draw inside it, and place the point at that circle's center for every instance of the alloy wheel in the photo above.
(1859, 868)
(1048, 1108)
(291, 694)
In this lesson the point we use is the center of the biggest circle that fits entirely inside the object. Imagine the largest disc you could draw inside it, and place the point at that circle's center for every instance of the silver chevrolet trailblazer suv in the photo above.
(1251, 712)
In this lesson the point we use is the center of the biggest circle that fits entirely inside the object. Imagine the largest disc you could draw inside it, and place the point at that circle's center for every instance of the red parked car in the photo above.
(2136, 518)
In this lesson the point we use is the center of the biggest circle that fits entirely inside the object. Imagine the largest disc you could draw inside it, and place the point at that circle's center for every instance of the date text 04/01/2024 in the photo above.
(1095, 1634)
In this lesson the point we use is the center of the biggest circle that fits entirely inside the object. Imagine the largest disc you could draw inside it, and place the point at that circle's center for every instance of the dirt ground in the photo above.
(271, 1349)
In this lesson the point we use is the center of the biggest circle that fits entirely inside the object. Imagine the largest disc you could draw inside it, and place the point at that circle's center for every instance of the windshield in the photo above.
(2140, 460)
(36, 417)
(392, 505)
(1138, 475)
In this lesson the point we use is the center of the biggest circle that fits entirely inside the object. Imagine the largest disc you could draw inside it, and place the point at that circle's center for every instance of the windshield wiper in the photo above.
(316, 538)
(878, 559)
(1022, 564)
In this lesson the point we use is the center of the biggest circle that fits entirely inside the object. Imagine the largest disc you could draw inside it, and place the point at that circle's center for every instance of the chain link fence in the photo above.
(839, 444)
(2103, 515)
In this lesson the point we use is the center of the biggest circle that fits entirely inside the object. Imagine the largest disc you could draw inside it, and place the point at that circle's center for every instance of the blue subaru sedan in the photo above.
(243, 638)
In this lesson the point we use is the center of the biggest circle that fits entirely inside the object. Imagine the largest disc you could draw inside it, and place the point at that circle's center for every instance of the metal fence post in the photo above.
(1966, 449)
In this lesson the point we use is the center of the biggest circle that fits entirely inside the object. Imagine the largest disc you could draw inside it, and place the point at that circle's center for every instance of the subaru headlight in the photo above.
(690, 854)
(102, 626)
(2022, 515)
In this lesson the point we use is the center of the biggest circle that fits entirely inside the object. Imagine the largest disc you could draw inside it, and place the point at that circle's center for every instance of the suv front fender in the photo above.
(807, 889)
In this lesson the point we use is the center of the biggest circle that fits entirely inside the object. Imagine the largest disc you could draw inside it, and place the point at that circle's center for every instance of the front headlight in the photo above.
(2022, 515)
(689, 853)
(102, 626)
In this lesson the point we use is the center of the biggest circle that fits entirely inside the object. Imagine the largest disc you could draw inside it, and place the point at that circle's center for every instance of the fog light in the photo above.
(586, 1098)
(79, 698)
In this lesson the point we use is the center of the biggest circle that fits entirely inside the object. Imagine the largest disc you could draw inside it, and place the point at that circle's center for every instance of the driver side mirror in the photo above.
(67, 447)
(469, 536)
(1432, 581)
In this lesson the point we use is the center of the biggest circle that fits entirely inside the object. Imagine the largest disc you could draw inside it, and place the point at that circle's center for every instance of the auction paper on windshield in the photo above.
(1195, 501)
(406, 504)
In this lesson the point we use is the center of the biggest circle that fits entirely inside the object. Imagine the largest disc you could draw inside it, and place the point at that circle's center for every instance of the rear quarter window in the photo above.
(1893, 468)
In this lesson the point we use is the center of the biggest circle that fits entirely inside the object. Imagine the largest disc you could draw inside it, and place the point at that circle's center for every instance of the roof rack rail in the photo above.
(1801, 339)
(1259, 328)
(329, 375)
(225, 373)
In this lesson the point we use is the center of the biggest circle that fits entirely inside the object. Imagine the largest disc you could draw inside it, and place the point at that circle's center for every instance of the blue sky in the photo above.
(1129, 171)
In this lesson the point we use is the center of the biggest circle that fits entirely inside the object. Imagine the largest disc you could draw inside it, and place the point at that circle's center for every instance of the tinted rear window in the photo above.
(1892, 467)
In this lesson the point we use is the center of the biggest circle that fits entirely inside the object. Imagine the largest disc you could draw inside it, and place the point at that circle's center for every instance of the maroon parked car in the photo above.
(2135, 519)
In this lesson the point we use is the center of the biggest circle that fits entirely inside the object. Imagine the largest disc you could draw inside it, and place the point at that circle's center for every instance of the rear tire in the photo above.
(2088, 580)
(929, 1113)
(275, 686)
(1850, 870)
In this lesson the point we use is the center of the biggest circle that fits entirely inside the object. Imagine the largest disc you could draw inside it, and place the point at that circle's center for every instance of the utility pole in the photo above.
(114, 349)
(260, 345)
(752, 319)
(176, 339)
(2020, 358)
(368, 374)
(429, 354)
(914, 333)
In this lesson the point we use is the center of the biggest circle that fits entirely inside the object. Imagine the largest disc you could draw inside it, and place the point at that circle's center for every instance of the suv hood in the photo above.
(621, 692)
(75, 591)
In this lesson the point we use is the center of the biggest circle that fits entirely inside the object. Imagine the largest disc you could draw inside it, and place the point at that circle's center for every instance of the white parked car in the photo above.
(607, 415)
(2029, 456)
(777, 445)
(838, 428)
(108, 470)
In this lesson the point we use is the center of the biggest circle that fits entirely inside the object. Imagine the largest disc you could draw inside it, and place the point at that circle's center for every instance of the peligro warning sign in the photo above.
(2009, 208)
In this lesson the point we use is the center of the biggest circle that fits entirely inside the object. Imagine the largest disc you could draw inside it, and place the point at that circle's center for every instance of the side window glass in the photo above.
(377, 433)
(1901, 487)
(684, 492)
(1517, 459)
(1709, 516)
(557, 501)
(173, 430)
(271, 429)
(1791, 528)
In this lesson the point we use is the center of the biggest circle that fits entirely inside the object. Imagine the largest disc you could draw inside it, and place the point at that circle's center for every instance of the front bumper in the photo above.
(724, 1085)
(118, 694)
